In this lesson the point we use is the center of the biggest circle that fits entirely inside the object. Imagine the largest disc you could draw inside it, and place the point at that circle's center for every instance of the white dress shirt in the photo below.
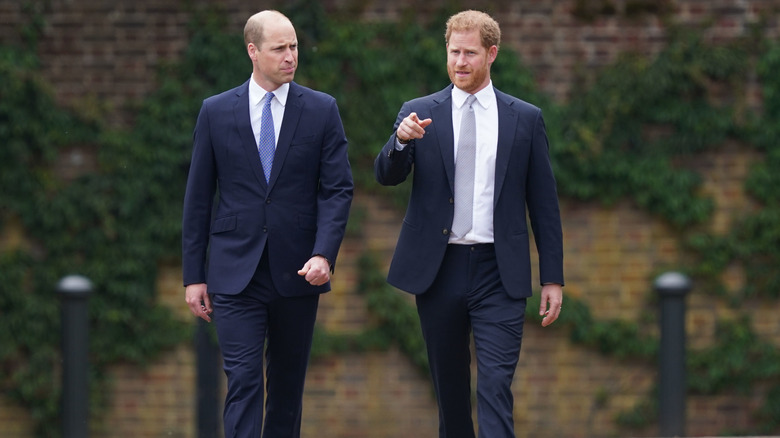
(256, 101)
(486, 116)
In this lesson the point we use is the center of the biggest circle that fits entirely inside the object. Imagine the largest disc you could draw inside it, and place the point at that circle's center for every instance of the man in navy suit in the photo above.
(480, 158)
(275, 153)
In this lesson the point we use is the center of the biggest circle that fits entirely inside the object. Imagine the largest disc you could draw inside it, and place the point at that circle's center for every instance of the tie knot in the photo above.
(470, 100)
(268, 98)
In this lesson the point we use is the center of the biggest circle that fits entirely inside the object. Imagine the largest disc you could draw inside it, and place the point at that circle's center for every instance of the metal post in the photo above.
(672, 288)
(74, 291)
(208, 360)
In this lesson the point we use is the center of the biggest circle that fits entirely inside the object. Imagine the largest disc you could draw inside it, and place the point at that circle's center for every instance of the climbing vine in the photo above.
(628, 134)
(113, 224)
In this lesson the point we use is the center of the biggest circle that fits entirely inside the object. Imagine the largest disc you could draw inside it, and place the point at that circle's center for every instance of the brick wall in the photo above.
(106, 52)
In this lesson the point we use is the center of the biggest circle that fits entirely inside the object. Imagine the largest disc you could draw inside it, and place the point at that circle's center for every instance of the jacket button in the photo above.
(445, 231)
(267, 201)
(265, 229)
(452, 201)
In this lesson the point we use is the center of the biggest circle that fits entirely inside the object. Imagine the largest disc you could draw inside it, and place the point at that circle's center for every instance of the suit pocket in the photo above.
(409, 224)
(521, 234)
(302, 140)
(224, 224)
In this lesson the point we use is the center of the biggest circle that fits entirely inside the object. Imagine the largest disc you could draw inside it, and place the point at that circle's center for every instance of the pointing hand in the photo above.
(412, 127)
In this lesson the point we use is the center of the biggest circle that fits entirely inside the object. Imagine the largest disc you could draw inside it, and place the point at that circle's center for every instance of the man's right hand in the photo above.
(198, 299)
(411, 127)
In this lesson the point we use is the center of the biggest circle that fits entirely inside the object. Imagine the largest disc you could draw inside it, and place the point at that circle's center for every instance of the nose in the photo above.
(288, 56)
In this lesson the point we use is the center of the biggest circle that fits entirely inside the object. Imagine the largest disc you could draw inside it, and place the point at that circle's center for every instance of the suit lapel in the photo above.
(292, 114)
(244, 125)
(507, 121)
(441, 111)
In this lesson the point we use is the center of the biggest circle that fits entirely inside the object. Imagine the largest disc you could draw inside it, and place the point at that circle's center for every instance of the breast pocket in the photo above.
(303, 140)
(304, 156)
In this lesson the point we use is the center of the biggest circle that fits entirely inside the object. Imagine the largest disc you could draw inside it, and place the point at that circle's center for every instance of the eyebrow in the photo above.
(282, 45)
(463, 49)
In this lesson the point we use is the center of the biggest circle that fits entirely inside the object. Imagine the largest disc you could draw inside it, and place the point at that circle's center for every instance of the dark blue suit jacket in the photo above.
(524, 177)
(300, 212)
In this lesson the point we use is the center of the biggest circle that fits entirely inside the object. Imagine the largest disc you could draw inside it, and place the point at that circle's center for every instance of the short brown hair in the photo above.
(489, 31)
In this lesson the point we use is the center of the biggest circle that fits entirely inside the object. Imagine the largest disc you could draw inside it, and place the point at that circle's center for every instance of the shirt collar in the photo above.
(484, 96)
(257, 93)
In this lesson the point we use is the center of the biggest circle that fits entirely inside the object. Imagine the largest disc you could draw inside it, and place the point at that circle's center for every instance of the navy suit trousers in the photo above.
(468, 296)
(244, 321)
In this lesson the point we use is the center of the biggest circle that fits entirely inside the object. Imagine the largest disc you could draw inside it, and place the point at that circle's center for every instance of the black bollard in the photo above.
(74, 291)
(672, 288)
(208, 370)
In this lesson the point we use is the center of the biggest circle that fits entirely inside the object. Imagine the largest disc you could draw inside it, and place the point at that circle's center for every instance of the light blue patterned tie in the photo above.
(266, 145)
(464, 170)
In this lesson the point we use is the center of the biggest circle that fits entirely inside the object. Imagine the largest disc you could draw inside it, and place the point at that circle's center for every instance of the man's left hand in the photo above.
(550, 307)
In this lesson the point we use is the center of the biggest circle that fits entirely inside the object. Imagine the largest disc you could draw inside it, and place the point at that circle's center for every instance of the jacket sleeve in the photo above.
(392, 166)
(335, 189)
(543, 208)
(198, 200)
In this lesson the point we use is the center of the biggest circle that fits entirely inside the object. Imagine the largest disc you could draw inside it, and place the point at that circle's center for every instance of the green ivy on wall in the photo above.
(634, 134)
(395, 321)
(113, 223)
(627, 133)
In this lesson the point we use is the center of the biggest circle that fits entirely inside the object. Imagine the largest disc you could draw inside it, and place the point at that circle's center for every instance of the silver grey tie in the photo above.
(464, 170)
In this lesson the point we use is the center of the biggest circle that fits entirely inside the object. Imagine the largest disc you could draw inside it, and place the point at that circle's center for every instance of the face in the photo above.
(468, 63)
(275, 61)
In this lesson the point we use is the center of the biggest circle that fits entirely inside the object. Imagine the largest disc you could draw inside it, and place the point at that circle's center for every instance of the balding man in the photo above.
(275, 153)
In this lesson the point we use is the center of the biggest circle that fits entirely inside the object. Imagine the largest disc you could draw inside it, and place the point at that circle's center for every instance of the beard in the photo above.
(471, 83)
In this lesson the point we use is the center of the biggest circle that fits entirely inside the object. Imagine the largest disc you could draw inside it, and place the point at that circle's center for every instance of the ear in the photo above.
(251, 50)
(492, 54)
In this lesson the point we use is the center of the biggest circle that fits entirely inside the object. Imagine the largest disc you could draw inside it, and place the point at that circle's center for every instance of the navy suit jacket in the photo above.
(524, 177)
(300, 212)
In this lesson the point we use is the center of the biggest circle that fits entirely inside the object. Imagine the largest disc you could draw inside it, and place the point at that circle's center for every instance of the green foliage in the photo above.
(737, 361)
(767, 71)
(394, 322)
(113, 224)
(769, 414)
(397, 319)
(631, 134)
(639, 416)
(628, 133)
(353, 57)
(618, 337)
(373, 68)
